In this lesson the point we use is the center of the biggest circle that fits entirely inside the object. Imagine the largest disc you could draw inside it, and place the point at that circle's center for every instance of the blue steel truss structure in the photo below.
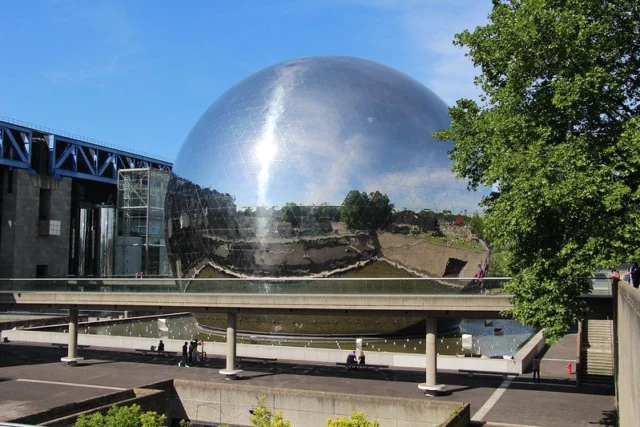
(42, 151)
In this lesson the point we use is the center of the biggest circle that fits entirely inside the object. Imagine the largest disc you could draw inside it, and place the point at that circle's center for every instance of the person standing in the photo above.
(351, 358)
(615, 278)
(190, 351)
(635, 275)
(479, 278)
(196, 355)
(185, 356)
(535, 368)
(361, 359)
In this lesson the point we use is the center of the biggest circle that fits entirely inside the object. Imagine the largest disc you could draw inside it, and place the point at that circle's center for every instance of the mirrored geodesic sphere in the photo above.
(313, 167)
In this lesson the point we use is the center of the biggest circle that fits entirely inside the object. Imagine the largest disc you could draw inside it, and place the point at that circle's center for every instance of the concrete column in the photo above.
(431, 386)
(230, 371)
(72, 353)
(432, 355)
(232, 320)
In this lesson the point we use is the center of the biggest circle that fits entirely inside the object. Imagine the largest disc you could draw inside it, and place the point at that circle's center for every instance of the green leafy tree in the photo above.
(362, 211)
(263, 416)
(378, 213)
(557, 138)
(476, 226)
(292, 214)
(122, 416)
(428, 221)
(326, 212)
(353, 209)
(357, 419)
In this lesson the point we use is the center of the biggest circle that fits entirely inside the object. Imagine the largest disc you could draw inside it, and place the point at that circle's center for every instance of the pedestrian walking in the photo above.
(185, 356)
(535, 368)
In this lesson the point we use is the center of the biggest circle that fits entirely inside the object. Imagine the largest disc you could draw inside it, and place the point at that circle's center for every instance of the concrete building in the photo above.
(56, 192)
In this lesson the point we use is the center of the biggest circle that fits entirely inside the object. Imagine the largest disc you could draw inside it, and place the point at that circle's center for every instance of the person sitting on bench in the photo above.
(160, 347)
(361, 358)
(351, 358)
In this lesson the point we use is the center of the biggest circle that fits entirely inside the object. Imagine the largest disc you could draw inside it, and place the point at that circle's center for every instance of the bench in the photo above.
(79, 347)
(472, 372)
(359, 366)
(158, 352)
(263, 360)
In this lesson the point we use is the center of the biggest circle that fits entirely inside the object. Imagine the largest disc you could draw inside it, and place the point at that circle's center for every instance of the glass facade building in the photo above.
(140, 243)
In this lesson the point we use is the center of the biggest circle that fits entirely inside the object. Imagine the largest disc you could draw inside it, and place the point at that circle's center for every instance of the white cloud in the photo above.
(425, 187)
(430, 27)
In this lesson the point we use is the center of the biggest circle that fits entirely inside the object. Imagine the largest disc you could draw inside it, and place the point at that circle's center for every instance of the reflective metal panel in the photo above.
(302, 169)
(105, 222)
(83, 240)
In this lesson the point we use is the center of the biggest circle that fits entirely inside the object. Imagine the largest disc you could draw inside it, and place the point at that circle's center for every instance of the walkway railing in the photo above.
(294, 285)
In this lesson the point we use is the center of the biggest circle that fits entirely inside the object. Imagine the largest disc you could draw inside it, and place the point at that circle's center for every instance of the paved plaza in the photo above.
(32, 379)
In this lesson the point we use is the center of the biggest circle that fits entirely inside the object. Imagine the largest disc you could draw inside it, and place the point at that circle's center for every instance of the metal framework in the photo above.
(68, 156)
(140, 241)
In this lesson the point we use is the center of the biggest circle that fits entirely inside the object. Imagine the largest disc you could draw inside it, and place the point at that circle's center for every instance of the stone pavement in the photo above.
(33, 379)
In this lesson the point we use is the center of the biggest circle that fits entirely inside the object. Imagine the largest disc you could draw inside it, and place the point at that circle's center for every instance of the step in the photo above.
(593, 353)
(598, 332)
(592, 369)
(596, 375)
(598, 321)
(596, 344)
(603, 372)
(606, 331)
(597, 379)
(597, 356)
(596, 363)
(596, 349)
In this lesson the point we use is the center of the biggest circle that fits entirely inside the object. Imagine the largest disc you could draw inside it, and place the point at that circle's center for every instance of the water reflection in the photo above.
(485, 341)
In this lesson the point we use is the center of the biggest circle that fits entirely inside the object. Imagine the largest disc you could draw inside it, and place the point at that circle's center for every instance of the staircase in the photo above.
(596, 354)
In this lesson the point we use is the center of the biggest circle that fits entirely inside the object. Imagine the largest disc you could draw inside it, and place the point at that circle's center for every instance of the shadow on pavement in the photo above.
(609, 418)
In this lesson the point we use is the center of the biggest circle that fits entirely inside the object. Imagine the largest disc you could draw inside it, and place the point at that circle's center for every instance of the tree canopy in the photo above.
(362, 211)
(122, 416)
(292, 214)
(557, 139)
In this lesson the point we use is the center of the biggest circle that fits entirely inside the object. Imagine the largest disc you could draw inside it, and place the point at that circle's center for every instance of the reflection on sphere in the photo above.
(312, 167)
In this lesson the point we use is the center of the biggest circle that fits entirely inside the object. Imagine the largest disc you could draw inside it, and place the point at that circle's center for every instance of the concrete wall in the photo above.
(514, 366)
(628, 376)
(423, 256)
(231, 402)
(22, 248)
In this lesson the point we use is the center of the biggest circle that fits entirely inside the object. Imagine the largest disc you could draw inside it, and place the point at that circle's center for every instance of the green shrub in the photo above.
(357, 419)
(263, 417)
(122, 416)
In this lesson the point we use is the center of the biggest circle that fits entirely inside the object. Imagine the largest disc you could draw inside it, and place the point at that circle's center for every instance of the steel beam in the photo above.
(90, 161)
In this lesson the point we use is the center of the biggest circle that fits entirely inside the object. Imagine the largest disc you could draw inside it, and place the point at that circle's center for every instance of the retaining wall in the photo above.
(628, 375)
(230, 403)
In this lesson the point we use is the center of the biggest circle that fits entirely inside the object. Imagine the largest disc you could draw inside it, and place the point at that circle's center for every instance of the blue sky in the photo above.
(139, 74)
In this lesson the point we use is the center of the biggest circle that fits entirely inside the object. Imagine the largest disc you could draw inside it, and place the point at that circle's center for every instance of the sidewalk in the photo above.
(554, 402)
